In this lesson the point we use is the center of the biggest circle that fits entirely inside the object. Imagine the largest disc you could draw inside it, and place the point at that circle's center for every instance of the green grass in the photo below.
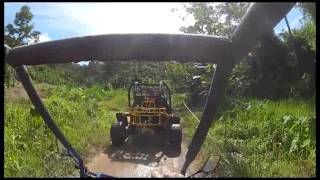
(259, 138)
(256, 138)
(84, 116)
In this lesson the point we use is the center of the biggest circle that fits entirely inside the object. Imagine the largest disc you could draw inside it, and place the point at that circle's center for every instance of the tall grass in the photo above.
(84, 116)
(261, 138)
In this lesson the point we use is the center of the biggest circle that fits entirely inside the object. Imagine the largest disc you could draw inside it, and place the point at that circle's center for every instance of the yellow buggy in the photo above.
(149, 107)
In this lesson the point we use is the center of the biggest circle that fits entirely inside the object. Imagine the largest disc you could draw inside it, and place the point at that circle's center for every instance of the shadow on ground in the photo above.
(146, 149)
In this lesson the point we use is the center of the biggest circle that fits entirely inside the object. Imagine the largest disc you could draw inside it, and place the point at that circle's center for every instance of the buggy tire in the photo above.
(175, 136)
(117, 134)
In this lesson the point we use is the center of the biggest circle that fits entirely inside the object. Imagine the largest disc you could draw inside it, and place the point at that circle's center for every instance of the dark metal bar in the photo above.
(289, 29)
(214, 99)
(36, 100)
(123, 47)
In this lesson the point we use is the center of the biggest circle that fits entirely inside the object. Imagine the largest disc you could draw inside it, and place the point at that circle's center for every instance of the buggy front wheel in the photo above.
(175, 136)
(117, 134)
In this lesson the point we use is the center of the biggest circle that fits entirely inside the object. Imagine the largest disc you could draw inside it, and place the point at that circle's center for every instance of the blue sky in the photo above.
(64, 20)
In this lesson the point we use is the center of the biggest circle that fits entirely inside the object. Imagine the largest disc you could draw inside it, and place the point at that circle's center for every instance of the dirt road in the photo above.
(140, 155)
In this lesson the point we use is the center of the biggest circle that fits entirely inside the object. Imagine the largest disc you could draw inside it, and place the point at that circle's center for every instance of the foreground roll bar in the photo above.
(260, 18)
(122, 47)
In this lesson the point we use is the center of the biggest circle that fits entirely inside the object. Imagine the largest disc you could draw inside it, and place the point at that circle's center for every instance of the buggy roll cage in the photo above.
(163, 88)
(260, 18)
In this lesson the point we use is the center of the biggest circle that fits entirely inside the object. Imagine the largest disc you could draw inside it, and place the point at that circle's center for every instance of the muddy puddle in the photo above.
(138, 157)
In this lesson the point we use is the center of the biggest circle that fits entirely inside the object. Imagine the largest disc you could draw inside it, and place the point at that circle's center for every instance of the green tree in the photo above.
(17, 34)
(274, 67)
(179, 76)
(302, 43)
(214, 19)
(309, 10)
(306, 32)
(219, 19)
(21, 32)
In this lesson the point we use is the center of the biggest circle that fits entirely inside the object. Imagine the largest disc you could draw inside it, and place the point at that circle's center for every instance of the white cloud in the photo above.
(107, 18)
(44, 37)
(102, 18)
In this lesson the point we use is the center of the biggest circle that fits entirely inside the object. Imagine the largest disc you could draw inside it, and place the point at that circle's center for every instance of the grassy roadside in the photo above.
(256, 138)
(84, 116)
(260, 138)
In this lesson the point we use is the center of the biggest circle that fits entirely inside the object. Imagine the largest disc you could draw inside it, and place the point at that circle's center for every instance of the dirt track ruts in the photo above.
(138, 157)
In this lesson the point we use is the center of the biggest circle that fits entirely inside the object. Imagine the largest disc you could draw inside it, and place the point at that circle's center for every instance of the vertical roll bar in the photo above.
(38, 104)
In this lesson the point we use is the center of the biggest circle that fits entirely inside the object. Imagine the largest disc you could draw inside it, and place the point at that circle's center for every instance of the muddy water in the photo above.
(138, 157)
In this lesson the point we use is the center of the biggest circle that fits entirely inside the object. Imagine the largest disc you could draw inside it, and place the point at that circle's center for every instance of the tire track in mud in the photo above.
(138, 157)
